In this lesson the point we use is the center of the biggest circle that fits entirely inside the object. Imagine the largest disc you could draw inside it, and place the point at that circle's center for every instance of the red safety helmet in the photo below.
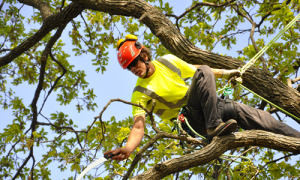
(128, 50)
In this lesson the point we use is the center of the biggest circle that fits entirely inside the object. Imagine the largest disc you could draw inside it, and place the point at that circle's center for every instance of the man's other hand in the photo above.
(124, 153)
(227, 74)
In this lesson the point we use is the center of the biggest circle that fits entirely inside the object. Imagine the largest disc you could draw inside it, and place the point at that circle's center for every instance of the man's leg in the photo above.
(203, 98)
(251, 118)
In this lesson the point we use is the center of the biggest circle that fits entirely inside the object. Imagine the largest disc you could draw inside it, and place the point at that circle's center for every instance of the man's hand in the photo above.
(227, 74)
(124, 153)
(134, 139)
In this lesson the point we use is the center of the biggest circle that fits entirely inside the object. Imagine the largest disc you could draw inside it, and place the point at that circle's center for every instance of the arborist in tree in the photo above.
(162, 80)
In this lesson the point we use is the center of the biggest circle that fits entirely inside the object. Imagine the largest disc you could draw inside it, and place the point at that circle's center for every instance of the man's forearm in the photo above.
(217, 72)
(135, 138)
(136, 134)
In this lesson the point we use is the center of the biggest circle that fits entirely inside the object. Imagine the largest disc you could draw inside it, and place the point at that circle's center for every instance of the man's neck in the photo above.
(151, 70)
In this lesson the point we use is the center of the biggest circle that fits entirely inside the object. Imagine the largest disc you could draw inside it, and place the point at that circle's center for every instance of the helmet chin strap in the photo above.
(147, 66)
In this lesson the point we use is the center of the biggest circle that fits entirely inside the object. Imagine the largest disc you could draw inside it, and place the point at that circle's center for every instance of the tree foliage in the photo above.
(33, 53)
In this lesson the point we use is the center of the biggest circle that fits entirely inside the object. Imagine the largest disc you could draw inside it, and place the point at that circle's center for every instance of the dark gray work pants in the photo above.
(206, 109)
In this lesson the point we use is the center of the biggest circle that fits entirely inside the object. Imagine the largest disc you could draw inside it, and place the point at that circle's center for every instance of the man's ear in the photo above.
(144, 56)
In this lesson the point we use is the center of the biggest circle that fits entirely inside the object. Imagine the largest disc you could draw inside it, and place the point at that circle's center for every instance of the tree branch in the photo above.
(87, 27)
(52, 22)
(62, 5)
(24, 163)
(56, 81)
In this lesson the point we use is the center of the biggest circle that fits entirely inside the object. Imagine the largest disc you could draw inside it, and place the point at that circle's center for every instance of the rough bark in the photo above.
(217, 147)
(260, 82)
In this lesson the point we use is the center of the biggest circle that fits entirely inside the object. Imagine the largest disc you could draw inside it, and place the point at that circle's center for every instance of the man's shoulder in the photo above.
(169, 57)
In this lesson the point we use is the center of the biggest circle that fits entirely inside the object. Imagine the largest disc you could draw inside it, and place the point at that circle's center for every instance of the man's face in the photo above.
(138, 68)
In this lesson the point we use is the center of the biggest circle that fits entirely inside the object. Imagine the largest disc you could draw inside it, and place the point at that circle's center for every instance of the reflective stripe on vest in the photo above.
(153, 95)
(169, 65)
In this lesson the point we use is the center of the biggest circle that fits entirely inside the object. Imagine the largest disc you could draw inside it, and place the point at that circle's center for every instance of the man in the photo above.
(162, 80)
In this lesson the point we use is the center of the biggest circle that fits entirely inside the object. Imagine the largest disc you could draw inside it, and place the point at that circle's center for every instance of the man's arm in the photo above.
(137, 133)
(134, 139)
(217, 72)
(223, 73)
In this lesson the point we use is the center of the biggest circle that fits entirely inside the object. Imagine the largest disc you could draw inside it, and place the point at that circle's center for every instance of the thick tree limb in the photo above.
(52, 22)
(217, 147)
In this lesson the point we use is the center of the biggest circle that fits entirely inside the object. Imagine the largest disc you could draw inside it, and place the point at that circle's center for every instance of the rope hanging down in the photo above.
(252, 61)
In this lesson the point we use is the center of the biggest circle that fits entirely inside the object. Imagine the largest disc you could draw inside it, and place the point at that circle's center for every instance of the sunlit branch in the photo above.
(296, 79)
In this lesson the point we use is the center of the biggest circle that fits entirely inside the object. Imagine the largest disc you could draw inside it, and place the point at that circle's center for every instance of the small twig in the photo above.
(62, 5)
(87, 27)
(2, 50)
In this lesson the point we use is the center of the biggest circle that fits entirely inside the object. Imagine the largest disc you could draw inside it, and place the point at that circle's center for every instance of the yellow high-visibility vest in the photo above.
(166, 86)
